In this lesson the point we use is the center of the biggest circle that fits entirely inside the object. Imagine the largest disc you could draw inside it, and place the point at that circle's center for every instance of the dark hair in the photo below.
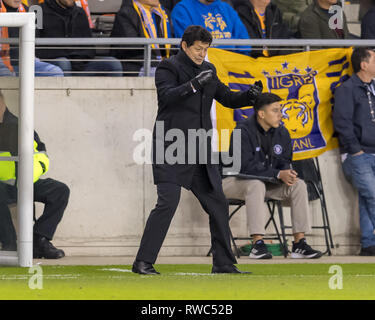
(359, 55)
(265, 99)
(196, 33)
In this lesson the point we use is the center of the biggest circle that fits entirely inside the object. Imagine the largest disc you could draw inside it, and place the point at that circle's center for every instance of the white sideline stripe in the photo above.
(193, 274)
(115, 270)
(49, 276)
(177, 274)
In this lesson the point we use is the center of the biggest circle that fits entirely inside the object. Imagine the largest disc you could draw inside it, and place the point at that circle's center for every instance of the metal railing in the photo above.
(146, 44)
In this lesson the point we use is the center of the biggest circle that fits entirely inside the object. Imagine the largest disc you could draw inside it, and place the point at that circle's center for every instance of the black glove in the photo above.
(202, 79)
(255, 90)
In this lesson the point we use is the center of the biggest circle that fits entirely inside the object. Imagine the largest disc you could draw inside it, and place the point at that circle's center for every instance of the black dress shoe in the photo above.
(43, 248)
(142, 267)
(230, 268)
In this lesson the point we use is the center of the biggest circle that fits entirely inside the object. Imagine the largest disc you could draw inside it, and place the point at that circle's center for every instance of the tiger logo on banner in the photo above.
(305, 81)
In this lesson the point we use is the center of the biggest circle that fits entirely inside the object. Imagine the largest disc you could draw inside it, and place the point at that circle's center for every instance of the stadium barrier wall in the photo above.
(88, 126)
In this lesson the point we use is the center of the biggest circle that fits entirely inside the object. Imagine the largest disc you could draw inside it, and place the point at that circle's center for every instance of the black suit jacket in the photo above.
(179, 107)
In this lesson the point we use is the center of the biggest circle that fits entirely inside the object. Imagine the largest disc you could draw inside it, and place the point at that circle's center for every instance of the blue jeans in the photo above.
(111, 67)
(4, 71)
(360, 171)
(44, 69)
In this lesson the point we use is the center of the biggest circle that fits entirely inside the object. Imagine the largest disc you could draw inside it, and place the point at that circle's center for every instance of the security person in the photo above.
(52, 193)
(186, 86)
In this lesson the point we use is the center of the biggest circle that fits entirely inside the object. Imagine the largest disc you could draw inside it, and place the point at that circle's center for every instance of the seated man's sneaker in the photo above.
(43, 248)
(368, 251)
(302, 250)
(259, 251)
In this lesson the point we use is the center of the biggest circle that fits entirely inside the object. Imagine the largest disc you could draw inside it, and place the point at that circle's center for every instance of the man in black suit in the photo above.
(186, 86)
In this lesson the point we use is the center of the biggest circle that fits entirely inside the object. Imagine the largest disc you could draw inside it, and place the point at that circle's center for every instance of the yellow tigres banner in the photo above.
(305, 81)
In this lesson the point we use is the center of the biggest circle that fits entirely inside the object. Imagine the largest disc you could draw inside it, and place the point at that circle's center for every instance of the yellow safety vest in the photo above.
(8, 168)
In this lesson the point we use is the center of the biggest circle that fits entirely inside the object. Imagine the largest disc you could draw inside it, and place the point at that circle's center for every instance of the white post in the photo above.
(26, 22)
(26, 143)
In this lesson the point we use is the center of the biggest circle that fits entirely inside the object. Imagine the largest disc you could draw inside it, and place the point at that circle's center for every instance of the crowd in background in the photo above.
(225, 19)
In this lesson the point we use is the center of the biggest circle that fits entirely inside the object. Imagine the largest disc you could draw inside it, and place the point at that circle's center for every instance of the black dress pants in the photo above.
(212, 200)
(54, 194)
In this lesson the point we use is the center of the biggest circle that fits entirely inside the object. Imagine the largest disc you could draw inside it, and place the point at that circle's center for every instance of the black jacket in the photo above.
(254, 160)
(9, 134)
(64, 23)
(352, 117)
(368, 25)
(275, 28)
(179, 107)
(169, 4)
(128, 25)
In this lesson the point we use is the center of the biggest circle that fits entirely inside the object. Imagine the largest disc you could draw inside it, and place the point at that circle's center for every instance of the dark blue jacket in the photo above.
(352, 117)
(253, 160)
(368, 25)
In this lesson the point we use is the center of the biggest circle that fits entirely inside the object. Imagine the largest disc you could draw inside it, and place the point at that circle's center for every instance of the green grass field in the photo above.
(190, 282)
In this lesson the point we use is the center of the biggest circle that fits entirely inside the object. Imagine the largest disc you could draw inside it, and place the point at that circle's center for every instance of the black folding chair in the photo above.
(309, 171)
(272, 204)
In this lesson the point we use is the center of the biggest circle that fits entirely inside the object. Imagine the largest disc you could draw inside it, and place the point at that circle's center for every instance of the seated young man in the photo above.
(141, 19)
(315, 22)
(64, 19)
(9, 65)
(266, 151)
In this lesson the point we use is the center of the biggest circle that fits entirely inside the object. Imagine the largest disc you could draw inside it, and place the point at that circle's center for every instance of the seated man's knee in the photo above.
(63, 190)
(113, 64)
(56, 71)
(63, 63)
(255, 187)
(300, 185)
(300, 188)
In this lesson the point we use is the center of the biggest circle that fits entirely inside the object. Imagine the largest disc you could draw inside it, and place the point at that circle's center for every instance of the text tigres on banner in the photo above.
(305, 81)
